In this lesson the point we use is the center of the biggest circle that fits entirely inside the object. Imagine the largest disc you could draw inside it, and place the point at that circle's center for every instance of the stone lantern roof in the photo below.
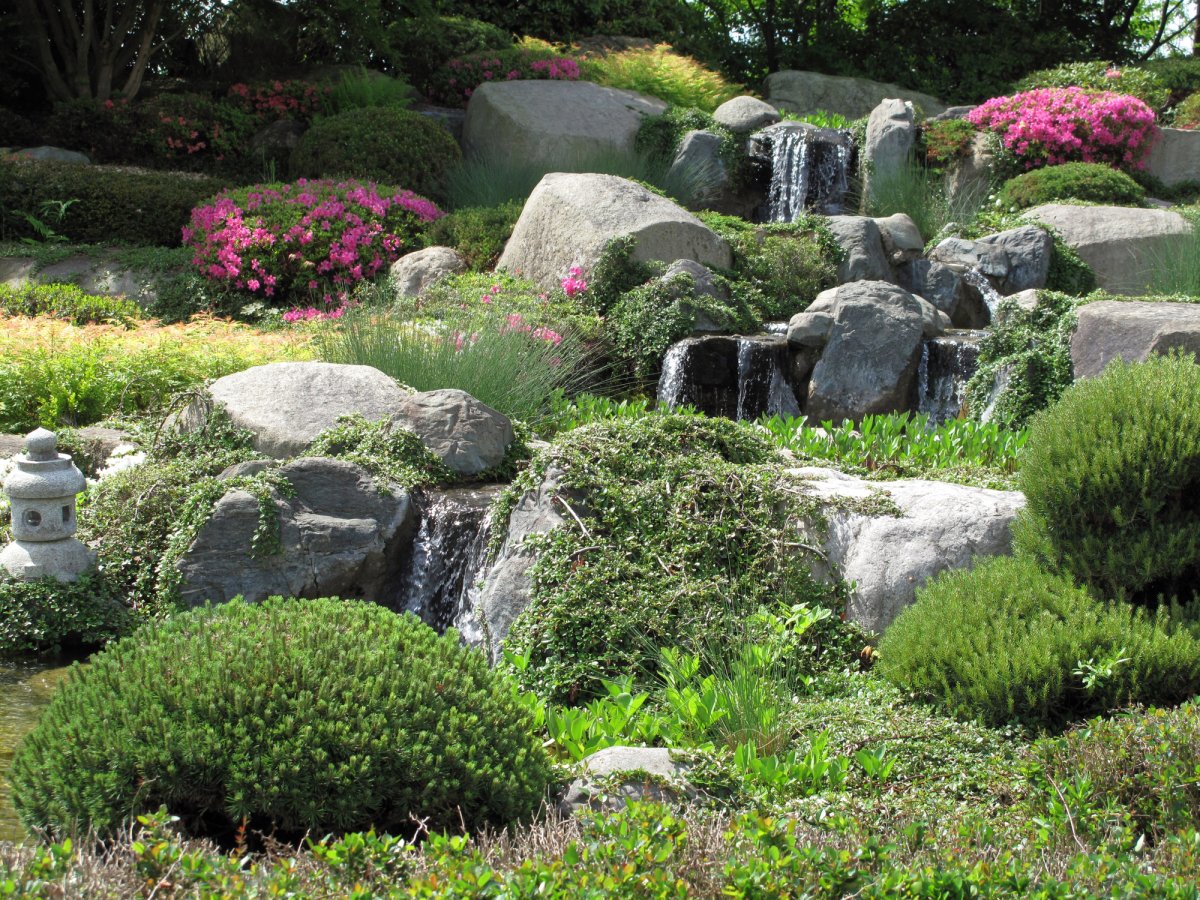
(43, 473)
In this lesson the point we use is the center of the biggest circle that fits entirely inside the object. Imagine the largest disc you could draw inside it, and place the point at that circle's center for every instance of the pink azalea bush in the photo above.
(310, 238)
(574, 284)
(1049, 126)
(455, 82)
(273, 100)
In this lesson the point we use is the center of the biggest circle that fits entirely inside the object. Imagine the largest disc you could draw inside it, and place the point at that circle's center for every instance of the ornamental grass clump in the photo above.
(1111, 474)
(1007, 641)
(1048, 126)
(308, 240)
(293, 717)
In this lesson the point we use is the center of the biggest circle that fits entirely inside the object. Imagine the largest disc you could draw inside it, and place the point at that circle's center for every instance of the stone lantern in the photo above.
(41, 490)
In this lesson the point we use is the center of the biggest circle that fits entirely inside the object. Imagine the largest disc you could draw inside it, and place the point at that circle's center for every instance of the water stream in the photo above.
(991, 296)
(810, 170)
(947, 364)
(739, 377)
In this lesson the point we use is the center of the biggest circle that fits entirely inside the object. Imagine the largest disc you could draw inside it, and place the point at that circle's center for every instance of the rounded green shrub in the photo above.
(384, 144)
(1009, 641)
(1111, 474)
(293, 716)
(1089, 182)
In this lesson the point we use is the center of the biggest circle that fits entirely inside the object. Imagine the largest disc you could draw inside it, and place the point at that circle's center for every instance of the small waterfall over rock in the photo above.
(991, 296)
(447, 554)
(947, 364)
(735, 377)
(809, 166)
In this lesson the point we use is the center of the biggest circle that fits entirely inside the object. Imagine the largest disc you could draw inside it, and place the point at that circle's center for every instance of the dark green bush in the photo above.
(1089, 182)
(1179, 74)
(1008, 641)
(384, 144)
(147, 208)
(67, 302)
(1112, 478)
(1144, 762)
(295, 716)
(425, 43)
(37, 616)
(478, 233)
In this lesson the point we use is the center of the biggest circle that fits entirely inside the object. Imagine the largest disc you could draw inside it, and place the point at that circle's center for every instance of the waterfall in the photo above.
(762, 384)
(735, 377)
(991, 296)
(776, 327)
(947, 364)
(809, 170)
(671, 382)
(447, 553)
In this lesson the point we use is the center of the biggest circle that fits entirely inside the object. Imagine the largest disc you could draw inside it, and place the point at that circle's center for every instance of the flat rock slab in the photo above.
(553, 121)
(808, 92)
(886, 557)
(1121, 244)
(1131, 330)
(569, 219)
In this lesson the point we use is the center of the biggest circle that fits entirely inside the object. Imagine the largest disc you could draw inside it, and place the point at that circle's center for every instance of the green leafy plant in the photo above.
(1098, 75)
(663, 73)
(478, 233)
(921, 194)
(946, 141)
(67, 302)
(424, 43)
(1089, 182)
(363, 88)
(1187, 113)
(1110, 474)
(1174, 265)
(296, 715)
(36, 616)
(1004, 641)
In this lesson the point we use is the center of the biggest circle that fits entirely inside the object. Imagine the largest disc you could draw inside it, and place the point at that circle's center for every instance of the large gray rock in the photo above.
(698, 163)
(1175, 156)
(340, 535)
(1029, 250)
(54, 154)
(1121, 244)
(466, 434)
(742, 115)
(554, 122)
(862, 240)
(936, 282)
(885, 557)
(902, 239)
(870, 361)
(807, 92)
(662, 779)
(287, 404)
(569, 219)
(971, 174)
(414, 272)
(887, 150)
(1132, 331)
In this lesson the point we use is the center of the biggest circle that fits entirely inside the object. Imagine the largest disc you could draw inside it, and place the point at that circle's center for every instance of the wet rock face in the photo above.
(731, 376)
(806, 168)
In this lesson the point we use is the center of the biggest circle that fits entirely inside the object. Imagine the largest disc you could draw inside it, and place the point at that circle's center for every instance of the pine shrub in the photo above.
(1112, 478)
(1008, 641)
(294, 716)
(1089, 182)
(379, 143)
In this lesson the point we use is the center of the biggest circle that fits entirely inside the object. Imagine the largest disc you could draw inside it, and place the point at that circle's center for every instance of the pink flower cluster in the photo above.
(574, 284)
(281, 99)
(1049, 126)
(312, 314)
(318, 237)
(459, 78)
(515, 322)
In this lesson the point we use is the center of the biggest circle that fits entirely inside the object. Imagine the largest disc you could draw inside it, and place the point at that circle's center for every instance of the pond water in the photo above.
(25, 688)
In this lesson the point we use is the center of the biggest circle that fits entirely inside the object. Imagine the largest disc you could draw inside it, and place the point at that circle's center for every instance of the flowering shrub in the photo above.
(281, 99)
(574, 284)
(314, 237)
(1056, 125)
(1099, 75)
(457, 80)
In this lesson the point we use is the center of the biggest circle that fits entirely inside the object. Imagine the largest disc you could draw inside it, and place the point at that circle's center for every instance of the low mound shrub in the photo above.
(1048, 126)
(294, 716)
(1089, 182)
(661, 72)
(479, 233)
(144, 208)
(1141, 764)
(67, 302)
(1111, 474)
(424, 42)
(378, 143)
(311, 238)
(459, 78)
(1008, 641)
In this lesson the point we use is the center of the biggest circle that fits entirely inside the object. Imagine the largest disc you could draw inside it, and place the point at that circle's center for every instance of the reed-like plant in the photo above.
(923, 195)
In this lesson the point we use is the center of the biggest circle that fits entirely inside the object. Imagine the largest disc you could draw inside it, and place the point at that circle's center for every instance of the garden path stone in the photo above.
(413, 273)
(569, 219)
(1131, 330)
(551, 121)
(287, 404)
(885, 556)
(466, 434)
(1119, 243)
(808, 92)
(340, 535)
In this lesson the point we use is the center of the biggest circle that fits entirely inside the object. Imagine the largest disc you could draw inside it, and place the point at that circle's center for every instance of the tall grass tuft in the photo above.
(921, 193)
(663, 73)
(1174, 267)
(363, 88)
(510, 365)
(491, 181)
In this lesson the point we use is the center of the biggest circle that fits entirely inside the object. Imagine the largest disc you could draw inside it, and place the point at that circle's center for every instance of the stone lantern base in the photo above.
(62, 560)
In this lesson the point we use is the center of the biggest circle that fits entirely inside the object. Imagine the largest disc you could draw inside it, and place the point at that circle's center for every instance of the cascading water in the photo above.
(809, 170)
(735, 377)
(762, 386)
(991, 296)
(671, 384)
(947, 364)
(446, 555)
